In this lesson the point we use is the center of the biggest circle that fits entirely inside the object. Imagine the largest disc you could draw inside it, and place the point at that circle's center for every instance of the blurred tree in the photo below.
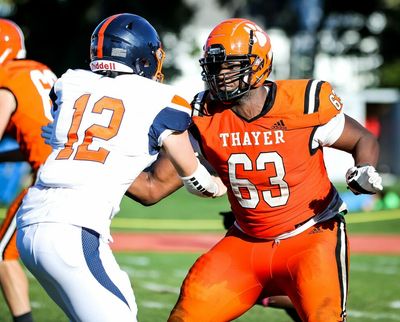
(58, 32)
(367, 30)
(390, 70)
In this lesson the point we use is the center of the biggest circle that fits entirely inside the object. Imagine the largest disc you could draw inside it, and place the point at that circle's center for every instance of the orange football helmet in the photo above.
(12, 41)
(243, 50)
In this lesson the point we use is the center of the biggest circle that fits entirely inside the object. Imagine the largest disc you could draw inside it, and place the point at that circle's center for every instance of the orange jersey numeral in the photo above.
(94, 131)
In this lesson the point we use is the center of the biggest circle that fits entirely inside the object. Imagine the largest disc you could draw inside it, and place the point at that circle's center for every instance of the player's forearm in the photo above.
(157, 183)
(148, 190)
(179, 151)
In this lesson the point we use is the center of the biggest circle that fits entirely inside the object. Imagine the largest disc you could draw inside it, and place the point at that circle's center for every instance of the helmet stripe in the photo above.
(251, 41)
(101, 35)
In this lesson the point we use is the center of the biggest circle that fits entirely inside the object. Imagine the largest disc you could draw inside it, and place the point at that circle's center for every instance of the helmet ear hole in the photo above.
(141, 64)
(129, 26)
(258, 63)
(145, 63)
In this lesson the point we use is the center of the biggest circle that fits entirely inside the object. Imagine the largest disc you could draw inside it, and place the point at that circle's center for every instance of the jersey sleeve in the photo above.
(329, 103)
(198, 103)
(176, 117)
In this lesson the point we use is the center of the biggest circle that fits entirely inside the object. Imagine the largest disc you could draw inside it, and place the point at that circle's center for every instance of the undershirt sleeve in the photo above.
(327, 134)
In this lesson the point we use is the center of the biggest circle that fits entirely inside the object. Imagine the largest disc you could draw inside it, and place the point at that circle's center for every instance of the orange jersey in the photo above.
(275, 179)
(30, 82)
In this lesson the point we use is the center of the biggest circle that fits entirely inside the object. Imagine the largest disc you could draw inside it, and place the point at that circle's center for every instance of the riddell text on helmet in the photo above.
(109, 65)
(102, 66)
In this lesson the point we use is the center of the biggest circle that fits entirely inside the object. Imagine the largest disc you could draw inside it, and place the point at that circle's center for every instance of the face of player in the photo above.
(229, 76)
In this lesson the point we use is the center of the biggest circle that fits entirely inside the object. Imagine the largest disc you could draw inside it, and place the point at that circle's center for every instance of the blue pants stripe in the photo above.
(90, 243)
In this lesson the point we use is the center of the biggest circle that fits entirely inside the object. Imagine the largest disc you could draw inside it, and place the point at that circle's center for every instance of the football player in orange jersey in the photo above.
(265, 140)
(24, 108)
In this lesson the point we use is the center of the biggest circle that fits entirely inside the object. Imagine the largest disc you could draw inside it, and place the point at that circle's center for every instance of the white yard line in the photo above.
(374, 316)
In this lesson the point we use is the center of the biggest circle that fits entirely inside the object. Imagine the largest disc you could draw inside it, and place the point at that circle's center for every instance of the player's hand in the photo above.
(221, 188)
(364, 179)
(47, 132)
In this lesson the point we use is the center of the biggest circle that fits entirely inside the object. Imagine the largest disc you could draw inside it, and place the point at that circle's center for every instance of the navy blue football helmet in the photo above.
(127, 43)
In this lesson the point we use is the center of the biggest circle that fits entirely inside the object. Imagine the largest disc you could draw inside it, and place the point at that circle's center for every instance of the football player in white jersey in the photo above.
(110, 123)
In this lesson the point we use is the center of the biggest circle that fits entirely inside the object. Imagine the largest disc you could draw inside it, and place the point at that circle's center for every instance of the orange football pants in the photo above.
(311, 268)
(8, 230)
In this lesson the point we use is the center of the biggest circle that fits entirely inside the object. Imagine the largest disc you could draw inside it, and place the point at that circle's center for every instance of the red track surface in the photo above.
(178, 242)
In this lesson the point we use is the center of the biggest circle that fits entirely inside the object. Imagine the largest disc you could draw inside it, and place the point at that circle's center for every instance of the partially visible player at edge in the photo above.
(265, 140)
(109, 124)
(24, 109)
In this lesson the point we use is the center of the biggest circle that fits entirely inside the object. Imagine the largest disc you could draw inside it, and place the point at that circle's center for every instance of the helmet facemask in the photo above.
(160, 56)
(221, 71)
(237, 52)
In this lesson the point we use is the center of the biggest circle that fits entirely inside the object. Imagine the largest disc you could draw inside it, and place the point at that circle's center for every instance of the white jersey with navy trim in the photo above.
(106, 131)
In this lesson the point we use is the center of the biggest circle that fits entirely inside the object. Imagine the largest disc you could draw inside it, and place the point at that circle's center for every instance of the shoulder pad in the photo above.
(199, 103)
(204, 105)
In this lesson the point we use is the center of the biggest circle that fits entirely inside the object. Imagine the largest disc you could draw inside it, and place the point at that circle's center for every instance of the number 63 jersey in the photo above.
(273, 163)
(106, 131)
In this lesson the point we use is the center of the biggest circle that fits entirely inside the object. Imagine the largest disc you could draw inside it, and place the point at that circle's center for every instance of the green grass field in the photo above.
(374, 293)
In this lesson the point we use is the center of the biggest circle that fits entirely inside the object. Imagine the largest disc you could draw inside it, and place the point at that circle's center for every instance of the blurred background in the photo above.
(352, 45)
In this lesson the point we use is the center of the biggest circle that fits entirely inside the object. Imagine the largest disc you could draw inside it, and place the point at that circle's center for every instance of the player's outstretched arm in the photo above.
(8, 104)
(162, 179)
(158, 182)
(195, 177)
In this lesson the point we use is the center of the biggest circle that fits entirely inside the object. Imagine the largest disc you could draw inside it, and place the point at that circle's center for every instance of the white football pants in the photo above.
(78, 271)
